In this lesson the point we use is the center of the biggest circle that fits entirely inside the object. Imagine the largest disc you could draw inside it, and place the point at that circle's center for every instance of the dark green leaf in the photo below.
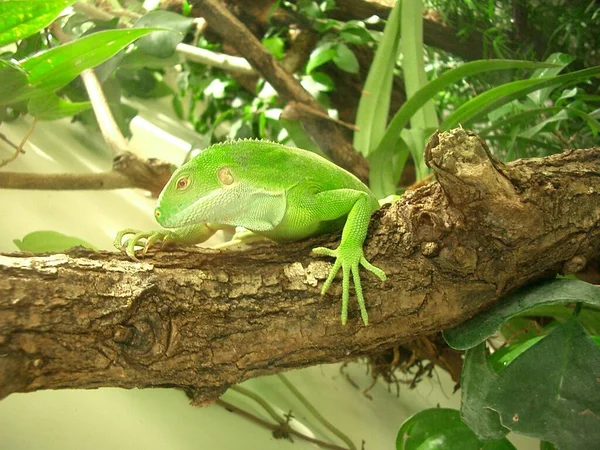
(561, 60)
(52, 69)
(440, 428)
(52, 107)
(162, 43)
(143, 83)
(505, 355)
(319, 56)
(13, 79)
(477, 379)
(49, 241)
(20, 19)
(482, 326)
(275, 45)
(551, 391)
(345, 59)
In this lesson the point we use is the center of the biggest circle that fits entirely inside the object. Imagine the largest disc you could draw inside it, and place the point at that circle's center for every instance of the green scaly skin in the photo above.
(285, 194)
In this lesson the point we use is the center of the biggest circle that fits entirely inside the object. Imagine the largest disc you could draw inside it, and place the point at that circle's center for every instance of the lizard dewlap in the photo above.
(283, 193)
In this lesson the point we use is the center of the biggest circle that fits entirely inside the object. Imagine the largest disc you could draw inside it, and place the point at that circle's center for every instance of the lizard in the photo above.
(283, 193)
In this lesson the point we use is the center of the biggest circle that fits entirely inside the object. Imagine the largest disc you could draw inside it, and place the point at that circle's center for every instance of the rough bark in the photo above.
(203, 319)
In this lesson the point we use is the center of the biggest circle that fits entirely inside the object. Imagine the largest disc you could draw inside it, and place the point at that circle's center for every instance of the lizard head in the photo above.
(206, 189)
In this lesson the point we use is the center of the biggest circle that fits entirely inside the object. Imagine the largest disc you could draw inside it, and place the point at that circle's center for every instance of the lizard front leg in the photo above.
(349, 255)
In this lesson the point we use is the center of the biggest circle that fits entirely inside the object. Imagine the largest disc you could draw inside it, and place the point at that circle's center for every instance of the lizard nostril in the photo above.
(157, 213)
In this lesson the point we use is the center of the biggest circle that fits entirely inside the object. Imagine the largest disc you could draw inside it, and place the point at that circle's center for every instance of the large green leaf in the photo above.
(162, 43)
(551, 391)
(49, 241)
(374, 103)
(441, 428)
(482, 326)
(412, 105)
(20, 19)
(52, 69)
(477, 379)
(52, 107)
(498, 96)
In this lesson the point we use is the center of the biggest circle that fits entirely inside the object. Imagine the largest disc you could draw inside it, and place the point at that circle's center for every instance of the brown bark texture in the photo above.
(203, 319)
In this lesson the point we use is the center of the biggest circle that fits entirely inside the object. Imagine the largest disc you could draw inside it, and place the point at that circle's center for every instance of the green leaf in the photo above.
(275, 45)
(374, 103)
(162, 43)
(13, 79)
(477, 379)
(322, 54)
(54, 68)
(441, 428)
(52, 107)
(49, 241)
(561, 60)
(21, 19)
(355, 32)
(551, 392)
(386, 165)
(412, 105)
(498, 96)
(505, 355)
(482, 326)
(345, 59)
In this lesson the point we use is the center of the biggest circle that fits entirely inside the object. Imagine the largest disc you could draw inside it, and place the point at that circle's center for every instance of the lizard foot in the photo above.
(136, 238)
(349, 259)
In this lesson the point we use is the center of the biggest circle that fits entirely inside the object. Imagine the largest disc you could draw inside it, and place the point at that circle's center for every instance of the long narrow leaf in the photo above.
(53, 69)
(501, 95)
(402, 117)
(521, 118)
(374, 104)
(413, 64)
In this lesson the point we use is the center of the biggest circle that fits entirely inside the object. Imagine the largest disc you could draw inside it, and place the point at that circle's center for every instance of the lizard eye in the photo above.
(182, 183)
(225, 176)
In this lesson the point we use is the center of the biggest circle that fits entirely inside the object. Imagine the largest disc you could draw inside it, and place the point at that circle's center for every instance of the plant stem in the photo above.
(316, 413)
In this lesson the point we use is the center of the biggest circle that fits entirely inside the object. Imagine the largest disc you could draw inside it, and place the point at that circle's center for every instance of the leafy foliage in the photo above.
(442, 428)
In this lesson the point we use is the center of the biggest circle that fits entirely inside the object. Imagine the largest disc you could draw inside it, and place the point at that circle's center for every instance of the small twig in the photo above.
(261, 401)
(19, 148)
(108, 126)
(275, 428)
(220, 60)
(315, 412)
(8, 141)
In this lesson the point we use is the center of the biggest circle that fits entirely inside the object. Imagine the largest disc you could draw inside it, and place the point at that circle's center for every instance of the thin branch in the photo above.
(275, 428)
(108, 126)
(19, 148)
(261, 401)
(219, 60)
(315, 412)
(65, 181)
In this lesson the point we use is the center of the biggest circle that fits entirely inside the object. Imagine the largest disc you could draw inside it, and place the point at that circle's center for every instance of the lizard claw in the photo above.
(136, 239)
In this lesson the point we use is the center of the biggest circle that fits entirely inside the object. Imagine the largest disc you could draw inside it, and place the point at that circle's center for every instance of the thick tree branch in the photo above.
(204, 319)
(326, 133)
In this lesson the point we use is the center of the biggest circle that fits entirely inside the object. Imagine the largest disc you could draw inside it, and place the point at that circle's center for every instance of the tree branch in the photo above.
(203, 319)
(129, 171)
